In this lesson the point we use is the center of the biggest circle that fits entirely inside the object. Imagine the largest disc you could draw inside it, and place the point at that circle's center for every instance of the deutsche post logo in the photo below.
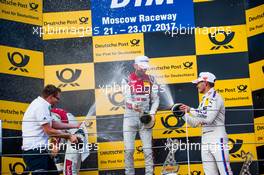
(188, 65)
(114, 101)
(83, 20)
(263, 69)
(33, 6)
(139, 149)
(171, 128)
(74, 75)
(242, 88)
(24, 59)
(227, 38)
(196, 173)
(134, 42)
(12, 168)
(260, 138)
(236, 146)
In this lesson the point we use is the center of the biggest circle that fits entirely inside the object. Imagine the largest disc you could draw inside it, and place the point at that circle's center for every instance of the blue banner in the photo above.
(135, 16)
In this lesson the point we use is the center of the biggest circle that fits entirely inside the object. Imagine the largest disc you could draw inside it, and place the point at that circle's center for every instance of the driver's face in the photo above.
(201, 86)
(140, 70)
(55, 99)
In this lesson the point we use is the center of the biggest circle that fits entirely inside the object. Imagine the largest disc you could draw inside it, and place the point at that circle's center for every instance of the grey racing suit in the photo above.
(211, 116)
(74, 153)
(141, 92)
(72, 161)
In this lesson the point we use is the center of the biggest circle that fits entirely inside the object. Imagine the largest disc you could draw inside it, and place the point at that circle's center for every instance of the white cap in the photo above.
(142, 62)
(205, 76)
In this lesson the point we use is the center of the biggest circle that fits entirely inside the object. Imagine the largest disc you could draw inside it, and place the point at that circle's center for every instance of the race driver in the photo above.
(211, 116)
(140, 92)
(72, 156)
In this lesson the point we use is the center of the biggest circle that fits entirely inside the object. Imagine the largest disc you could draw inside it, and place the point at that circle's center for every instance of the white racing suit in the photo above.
(141, 92)
(75, 153)
(211, 116)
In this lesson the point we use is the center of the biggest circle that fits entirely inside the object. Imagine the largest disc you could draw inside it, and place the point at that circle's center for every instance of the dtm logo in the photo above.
(15, 167)
(113, 98)
(139, 149)
(33, 6)
(221, 39)
(138, 3)
(83, 20)
(134, 42)
(18, 60)
(235, 147)
(188, 65)
(242, 88)
(74, 75)
(172, 127)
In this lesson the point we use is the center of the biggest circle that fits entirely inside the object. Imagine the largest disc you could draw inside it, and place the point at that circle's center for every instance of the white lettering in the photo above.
(108, 20)
(116, 4)
(138, 3)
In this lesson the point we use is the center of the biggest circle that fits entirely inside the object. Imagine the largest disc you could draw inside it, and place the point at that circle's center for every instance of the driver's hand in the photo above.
(153, 118)
(185, 108)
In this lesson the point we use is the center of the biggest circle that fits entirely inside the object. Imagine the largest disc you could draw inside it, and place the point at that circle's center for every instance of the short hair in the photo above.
(211, 84)
(50, 90)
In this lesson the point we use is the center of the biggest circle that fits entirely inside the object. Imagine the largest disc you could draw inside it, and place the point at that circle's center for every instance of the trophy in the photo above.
(170, 167)
(248, 160)
(145, 117)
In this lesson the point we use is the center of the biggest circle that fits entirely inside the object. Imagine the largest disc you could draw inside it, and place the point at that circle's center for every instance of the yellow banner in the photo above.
(111, 155)
(67, 24)
(225, 39)
(71, 77)
(259, 130)
(241, 142)
(168, 126)
(169, 70)
(89, 173)
(11, 114)
(22, 62)
(235, 92)
(92, 131)
(256, 70)
(255, 20)
(118, 47)
(11, 165)
(109, 101)
(196, 169)
(25, 11)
